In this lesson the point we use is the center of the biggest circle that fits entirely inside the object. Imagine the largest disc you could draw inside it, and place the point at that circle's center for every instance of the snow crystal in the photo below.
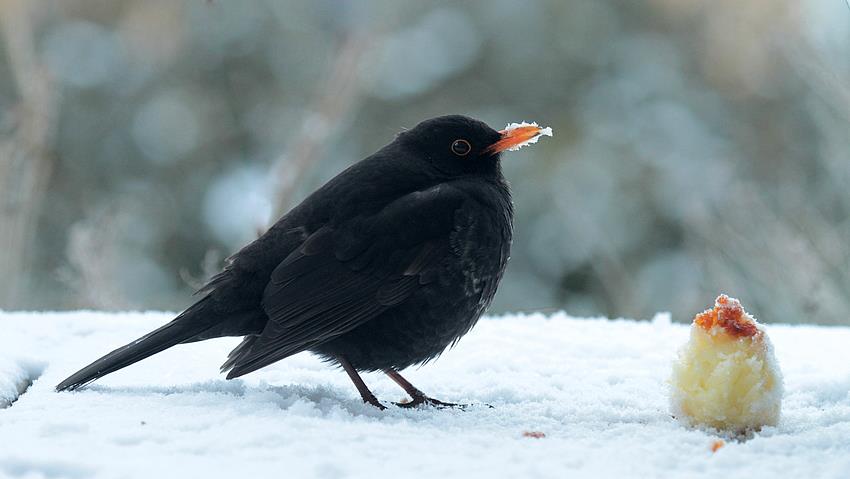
(571, 398)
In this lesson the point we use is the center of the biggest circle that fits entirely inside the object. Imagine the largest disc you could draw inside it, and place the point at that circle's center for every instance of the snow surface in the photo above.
(596, 388)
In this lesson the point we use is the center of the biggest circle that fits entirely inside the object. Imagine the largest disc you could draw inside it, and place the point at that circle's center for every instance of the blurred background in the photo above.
(700, 145)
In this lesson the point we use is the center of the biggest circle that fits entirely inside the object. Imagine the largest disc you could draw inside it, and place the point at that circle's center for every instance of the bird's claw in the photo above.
(374, 402)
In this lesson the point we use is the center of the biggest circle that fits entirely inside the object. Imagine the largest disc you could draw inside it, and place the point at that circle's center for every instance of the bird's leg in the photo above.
(418, 396)
(364, 391)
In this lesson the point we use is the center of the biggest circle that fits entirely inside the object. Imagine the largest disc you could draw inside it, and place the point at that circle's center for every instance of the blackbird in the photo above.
(383, 267)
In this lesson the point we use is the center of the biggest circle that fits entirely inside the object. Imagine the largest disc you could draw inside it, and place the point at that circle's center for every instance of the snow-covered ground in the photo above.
(596, 389)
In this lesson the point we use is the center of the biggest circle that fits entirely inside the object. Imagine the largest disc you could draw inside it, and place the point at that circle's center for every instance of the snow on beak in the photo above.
(517, 135)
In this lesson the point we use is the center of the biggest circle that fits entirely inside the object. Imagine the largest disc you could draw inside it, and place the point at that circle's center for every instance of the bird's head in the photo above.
(459, 145)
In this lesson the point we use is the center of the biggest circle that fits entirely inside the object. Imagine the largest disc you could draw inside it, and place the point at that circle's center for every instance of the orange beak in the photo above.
(514, 138)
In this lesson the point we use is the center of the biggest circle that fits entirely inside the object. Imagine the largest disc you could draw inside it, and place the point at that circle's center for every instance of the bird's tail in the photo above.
(184, 327)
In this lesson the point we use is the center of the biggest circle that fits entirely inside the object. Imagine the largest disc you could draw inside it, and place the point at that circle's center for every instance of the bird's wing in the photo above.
(344, 275)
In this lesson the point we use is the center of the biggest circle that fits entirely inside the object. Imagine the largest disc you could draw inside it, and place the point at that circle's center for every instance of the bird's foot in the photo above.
(426, 401)
(364, 391)
(374, 401)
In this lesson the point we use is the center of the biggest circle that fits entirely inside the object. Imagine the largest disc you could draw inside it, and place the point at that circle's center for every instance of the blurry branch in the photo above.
(25, 163)
(826, 236)
(758, 248)
(91, 251)
(333, 101)
(210, 266)
(820, 75)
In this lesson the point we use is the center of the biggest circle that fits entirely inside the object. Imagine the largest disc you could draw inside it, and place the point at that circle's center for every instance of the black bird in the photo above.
(383, 267)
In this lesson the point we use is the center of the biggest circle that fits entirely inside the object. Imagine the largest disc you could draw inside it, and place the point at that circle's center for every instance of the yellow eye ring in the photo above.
(461, 147)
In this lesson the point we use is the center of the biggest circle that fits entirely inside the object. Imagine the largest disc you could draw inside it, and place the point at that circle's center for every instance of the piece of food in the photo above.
(726, 376)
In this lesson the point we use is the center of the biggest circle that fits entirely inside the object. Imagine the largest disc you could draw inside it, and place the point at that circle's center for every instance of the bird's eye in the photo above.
(461, 147)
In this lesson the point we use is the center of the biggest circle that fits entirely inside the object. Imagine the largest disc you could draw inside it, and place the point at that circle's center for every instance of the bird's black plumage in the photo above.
(381, 268)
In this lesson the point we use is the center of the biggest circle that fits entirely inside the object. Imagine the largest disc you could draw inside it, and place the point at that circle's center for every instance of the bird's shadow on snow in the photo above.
(314, 401)
(318, 400)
